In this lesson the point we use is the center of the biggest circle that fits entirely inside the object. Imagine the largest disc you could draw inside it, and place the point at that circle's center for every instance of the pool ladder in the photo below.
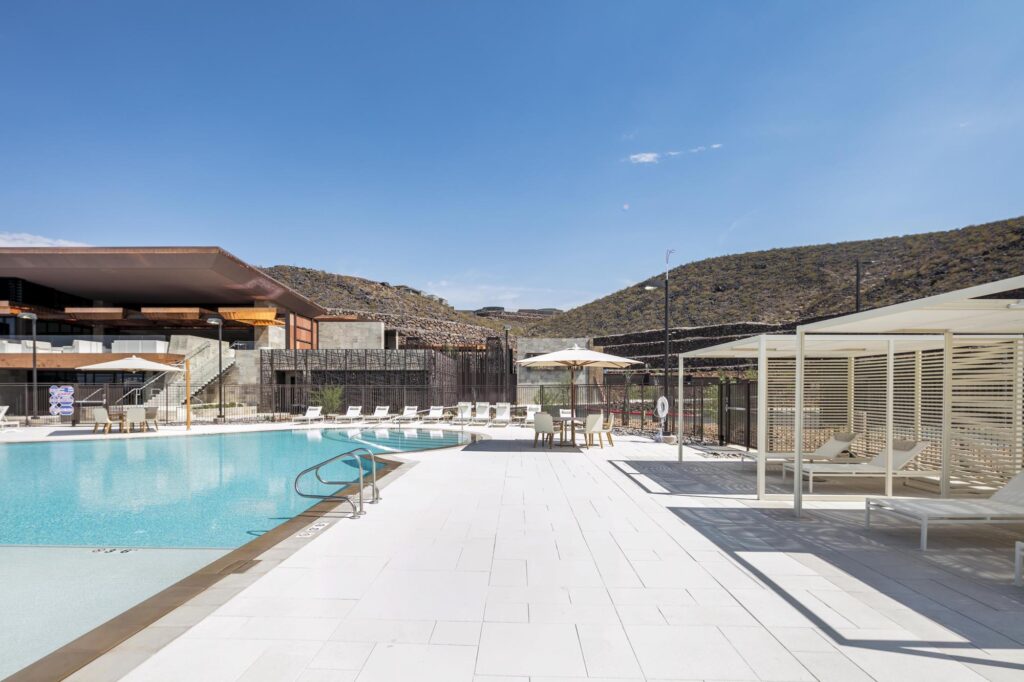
(358, 455)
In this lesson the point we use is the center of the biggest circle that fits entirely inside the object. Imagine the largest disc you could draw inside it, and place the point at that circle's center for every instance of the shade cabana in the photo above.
(946, 370)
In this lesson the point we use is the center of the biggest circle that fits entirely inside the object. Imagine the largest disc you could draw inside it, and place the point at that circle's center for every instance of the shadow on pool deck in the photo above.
(963, 583)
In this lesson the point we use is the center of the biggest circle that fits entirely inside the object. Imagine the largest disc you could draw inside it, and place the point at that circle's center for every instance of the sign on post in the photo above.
(62, 401)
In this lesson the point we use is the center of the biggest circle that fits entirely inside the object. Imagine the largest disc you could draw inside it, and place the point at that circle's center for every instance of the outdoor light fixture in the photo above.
(218, 322)
(32, 317)
(650, 286)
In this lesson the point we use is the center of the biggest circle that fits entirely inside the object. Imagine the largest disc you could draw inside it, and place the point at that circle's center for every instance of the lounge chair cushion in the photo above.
(844, 436)
(903, 445)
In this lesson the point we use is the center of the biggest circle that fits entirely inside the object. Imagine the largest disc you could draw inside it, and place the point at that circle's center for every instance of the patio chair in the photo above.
(135, 417)
(101, 420)
(531, 411)
(606, 430)
(152, 416)
(380, 413)
(836, 445)
(6, 423)
(313, 413)
(564, 413)
(409, 414)
(435, 414)
(544, 427)
(502, 414)
(1005, 506)
(591, 428)
(463, 413)
(353, 413)
(482, 415)
(903, 453)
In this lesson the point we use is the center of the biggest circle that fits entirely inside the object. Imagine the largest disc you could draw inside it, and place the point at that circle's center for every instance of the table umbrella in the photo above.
(134, 364)
(577, 358)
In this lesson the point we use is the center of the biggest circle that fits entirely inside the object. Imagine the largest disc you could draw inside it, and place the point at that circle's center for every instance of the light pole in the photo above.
(664, 285)
(508, 369)
(861, 263)
(218, 322)
(32, 317)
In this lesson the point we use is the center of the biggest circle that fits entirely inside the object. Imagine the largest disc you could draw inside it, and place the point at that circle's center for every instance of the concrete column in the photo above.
(798, 425)
(679, 406)
(762, 413)
(890, 376)
(947, 415)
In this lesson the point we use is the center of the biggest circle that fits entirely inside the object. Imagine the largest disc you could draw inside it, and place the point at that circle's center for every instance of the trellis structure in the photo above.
(947, 369)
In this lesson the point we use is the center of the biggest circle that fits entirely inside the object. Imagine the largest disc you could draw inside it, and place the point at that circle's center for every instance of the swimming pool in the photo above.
(90, 528)
(208, 491)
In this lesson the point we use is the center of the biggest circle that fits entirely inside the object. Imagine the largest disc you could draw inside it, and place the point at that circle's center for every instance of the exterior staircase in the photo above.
(203, 363)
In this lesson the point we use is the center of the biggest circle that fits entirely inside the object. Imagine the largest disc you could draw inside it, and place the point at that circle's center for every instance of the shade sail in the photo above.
(578, 358)
(130, 364)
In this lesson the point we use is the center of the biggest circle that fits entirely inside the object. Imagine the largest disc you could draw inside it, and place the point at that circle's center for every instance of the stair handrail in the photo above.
(357, 454)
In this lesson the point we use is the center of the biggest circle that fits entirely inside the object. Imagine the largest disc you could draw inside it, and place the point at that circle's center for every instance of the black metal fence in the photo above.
(632, 406)
(721, 411)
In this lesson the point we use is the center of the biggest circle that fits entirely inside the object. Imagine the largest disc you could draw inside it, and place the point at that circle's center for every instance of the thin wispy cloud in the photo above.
(656, 157)
(26, 239)
(645, 157)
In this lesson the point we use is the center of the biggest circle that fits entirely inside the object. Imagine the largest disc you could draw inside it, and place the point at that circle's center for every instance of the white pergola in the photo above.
(947, 369)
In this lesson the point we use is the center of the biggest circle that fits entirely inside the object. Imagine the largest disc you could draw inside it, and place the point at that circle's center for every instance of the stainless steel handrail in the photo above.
(357, 454)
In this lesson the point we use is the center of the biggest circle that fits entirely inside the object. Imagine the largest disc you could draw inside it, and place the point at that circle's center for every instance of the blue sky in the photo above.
(518, 154)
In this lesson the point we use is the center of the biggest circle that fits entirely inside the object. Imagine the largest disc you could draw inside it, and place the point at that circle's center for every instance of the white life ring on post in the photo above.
(661, 408)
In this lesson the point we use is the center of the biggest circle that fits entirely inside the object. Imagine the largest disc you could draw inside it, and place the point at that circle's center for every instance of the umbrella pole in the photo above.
(188, 395)
(572, 403)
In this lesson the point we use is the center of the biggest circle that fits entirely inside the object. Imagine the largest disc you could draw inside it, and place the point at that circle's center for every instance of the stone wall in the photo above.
(356, 334)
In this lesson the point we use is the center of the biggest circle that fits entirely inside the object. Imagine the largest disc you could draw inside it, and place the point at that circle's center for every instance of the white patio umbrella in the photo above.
(577, 358)
(134, 364)
(131, 364)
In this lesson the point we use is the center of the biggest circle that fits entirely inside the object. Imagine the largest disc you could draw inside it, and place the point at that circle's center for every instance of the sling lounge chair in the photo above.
(313, 413)
(463, 413)
(434, 415)
(6, 423)
(828, 451)
(354, 413)
(502, 414)
(409, 414)
(903, 453)
(1005, 506)
(380, 413)
(482, 415)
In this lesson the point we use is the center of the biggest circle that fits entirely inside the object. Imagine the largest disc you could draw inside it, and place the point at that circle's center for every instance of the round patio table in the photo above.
(562, 423)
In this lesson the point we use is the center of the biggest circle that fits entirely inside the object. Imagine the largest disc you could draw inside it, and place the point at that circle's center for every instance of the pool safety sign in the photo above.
(62, 401)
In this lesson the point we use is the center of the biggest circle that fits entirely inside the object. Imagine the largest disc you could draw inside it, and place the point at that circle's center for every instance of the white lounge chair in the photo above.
(482, 415)
(463, 413)
(313, 413)
(409, 414)
(354, 413)
(6, 423)
(544, 428)
(1005, 506)
(101, 420)
(826, 452)
(903, 453)
(502, 414)
(435, 414)
(380, 413)
(531, 411)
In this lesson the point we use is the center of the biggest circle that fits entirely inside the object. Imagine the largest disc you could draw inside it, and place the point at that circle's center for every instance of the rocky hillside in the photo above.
(415, 316)
(783, 285)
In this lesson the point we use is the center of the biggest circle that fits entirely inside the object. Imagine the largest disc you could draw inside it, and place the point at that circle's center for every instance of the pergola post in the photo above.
(890, 392)
(918, 392)
(798, 425)
(680, 393)
(762, 413)
(850, 394)
(946, 467)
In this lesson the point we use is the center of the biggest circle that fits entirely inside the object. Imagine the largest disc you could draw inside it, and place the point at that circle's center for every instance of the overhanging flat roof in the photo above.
(152, 275)
(992, 308)
(784, 346)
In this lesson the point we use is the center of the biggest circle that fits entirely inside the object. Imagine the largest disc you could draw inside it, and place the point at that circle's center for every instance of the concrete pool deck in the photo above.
(496, 562)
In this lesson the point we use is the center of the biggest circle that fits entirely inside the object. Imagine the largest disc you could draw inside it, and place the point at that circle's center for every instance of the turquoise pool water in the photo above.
(216, 491)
